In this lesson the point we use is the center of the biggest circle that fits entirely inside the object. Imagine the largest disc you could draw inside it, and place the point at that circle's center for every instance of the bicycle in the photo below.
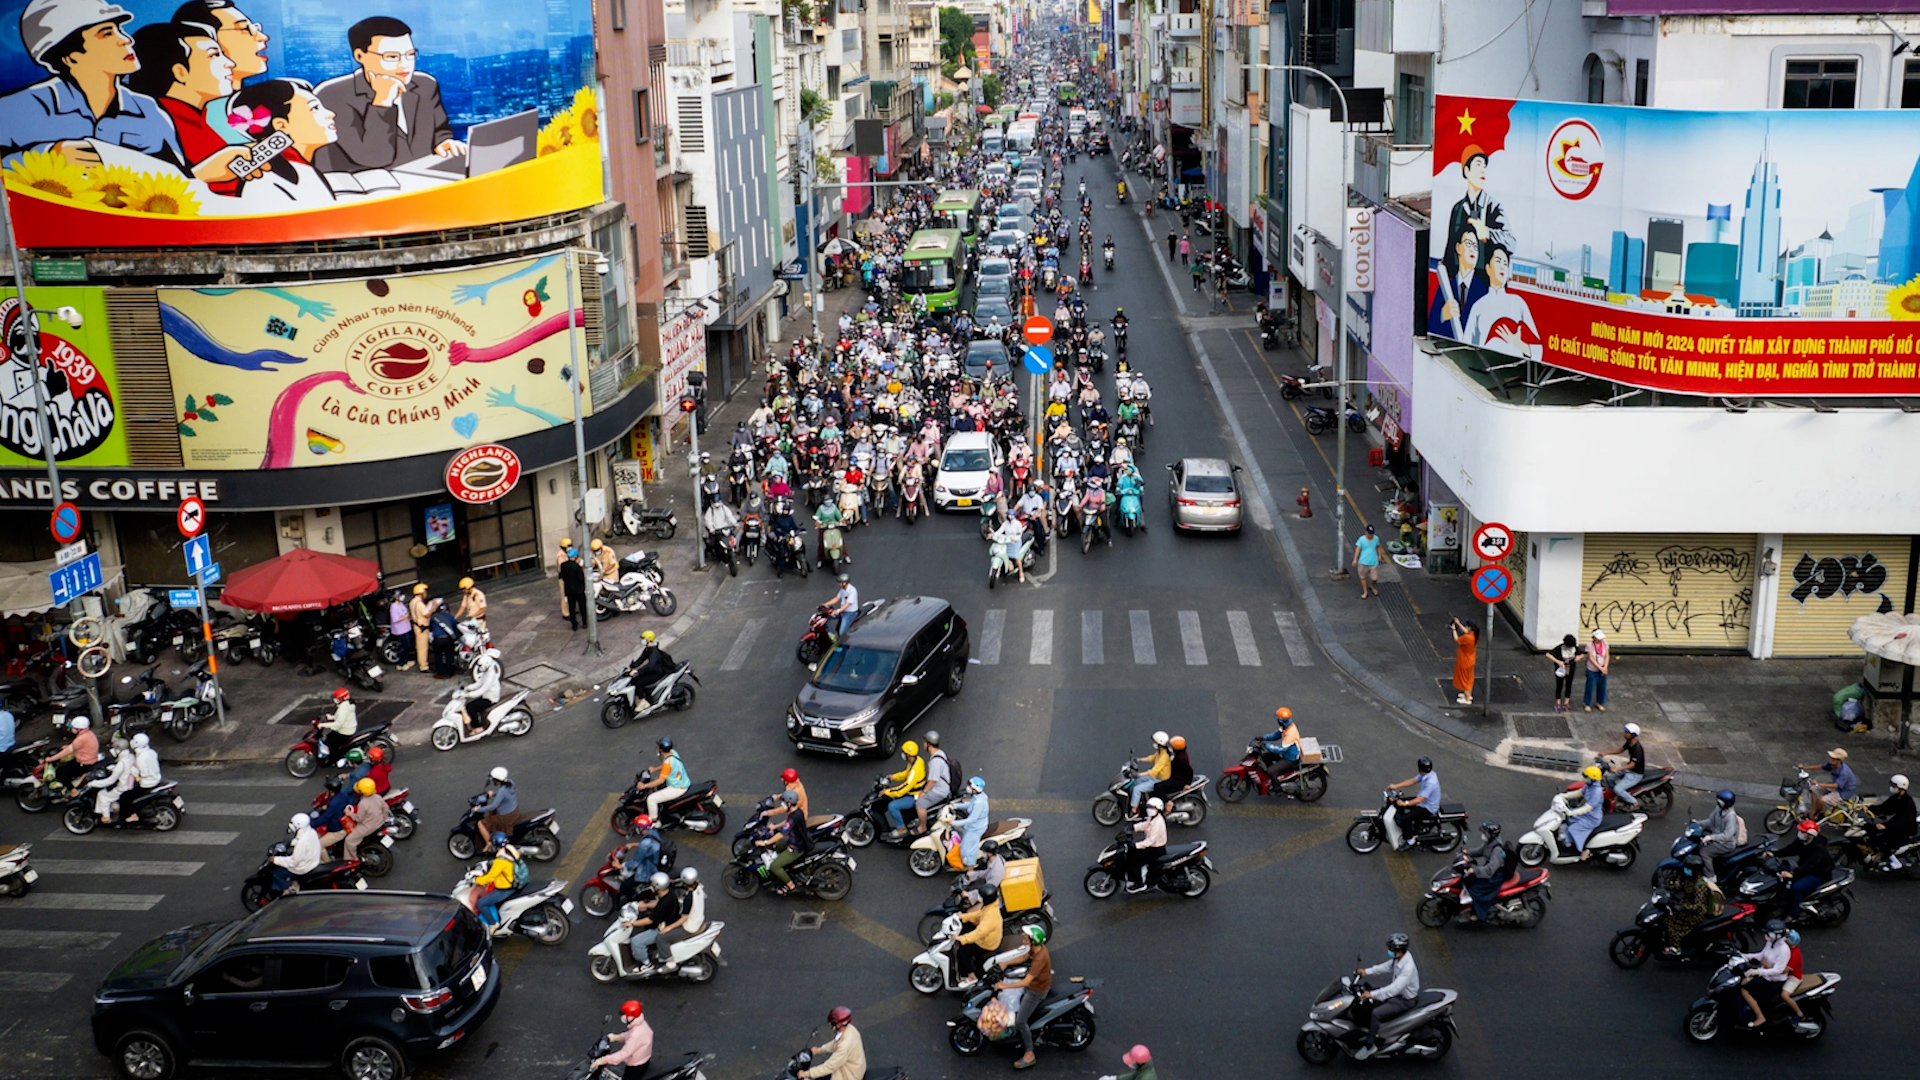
(1798, 791)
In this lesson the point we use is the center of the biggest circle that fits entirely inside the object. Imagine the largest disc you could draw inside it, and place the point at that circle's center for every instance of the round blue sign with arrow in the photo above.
(1491, 584)
(1039, 359)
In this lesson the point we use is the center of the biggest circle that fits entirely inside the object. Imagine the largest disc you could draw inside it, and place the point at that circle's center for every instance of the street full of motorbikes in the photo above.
(854, 428)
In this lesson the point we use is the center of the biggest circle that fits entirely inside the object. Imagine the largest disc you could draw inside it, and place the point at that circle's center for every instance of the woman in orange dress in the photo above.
(1466, 647)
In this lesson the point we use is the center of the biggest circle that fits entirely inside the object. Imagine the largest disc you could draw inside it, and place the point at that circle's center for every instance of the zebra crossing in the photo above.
(31, 959)
(999, 637)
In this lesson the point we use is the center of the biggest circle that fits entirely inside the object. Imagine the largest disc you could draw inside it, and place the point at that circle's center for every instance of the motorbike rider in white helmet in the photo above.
(303, 859)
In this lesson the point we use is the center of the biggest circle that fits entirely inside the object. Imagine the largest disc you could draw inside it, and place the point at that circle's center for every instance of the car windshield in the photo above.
(993, 307)
(1004, 239)
(972, 460)
(446, 956)
(1209, 484)
(995, 286)
(851, 669)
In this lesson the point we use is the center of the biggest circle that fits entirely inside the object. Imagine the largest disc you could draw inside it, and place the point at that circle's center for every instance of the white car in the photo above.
(961, 480)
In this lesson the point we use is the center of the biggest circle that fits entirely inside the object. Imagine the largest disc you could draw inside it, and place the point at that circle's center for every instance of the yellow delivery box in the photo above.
(1023, 888)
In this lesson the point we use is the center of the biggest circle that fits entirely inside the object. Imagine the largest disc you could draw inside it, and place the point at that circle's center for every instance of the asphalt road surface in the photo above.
(1197, 635)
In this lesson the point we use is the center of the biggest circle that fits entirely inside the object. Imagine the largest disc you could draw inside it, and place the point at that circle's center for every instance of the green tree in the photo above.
(956, 35)
(990, 89)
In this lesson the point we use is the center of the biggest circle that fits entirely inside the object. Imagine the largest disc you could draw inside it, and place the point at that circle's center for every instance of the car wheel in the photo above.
(889, 744)
(373, 1059)
(143, 1055)
(956, 675)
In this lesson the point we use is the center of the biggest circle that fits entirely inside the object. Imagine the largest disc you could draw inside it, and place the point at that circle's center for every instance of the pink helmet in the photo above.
(1136, 1057)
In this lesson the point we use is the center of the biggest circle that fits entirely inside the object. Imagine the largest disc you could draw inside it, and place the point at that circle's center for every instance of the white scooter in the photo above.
(509, 715)
(539, 913)
(939, 969)
(1616, 842)
(693, 958)
(928, 854)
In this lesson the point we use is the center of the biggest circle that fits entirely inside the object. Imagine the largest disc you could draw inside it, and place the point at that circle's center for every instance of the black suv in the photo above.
(371, 981)
(889, 669)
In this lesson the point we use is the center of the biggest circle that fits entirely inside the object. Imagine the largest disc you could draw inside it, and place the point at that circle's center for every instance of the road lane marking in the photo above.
(186, 776)
(87, 901)
(117, 867)
(874, 932)
(992, 630)
(56, 939)
(1190, 640)
(586, 845)
(1093, 646)
(743, 645)
(1142, 624)
(1285, 849)
(1243, 645)
(1042, 652)
(232, 809)
(40, 982)
(176, 838)
(1298, 653)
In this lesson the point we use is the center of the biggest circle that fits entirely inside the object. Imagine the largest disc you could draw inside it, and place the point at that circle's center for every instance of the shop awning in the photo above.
(24, 589)
(301, 580)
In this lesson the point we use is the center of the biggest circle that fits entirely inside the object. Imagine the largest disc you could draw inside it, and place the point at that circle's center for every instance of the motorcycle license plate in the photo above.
(851, 865)
(360, 883)
(407, 806)
(956, 502)
(179, 803)
(480, 975)
(386, 841)
(566, 906)
(817, 732)
(176, 640)
(221, 644)
(59, 719)
(375, 671)
(33, 876)
(166, 717)
(254, 641)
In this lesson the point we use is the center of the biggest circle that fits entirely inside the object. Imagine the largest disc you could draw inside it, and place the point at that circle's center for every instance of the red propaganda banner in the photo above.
(1715, 357)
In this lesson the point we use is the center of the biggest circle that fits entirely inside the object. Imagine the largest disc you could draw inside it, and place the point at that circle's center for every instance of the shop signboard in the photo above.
(308, 122)
(641, 446)
(683, 348)
(370, 369)
(77, 372)
(1723, 254)
(482, 474)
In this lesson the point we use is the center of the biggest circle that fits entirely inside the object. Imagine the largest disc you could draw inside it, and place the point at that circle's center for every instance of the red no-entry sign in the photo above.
(1038, 330)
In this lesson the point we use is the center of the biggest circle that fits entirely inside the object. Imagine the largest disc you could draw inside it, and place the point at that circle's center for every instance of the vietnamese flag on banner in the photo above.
(1464, 125)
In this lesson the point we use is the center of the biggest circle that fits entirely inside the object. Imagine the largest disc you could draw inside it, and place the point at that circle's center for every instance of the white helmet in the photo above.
(1632, 729)
(499, 773)
(1156, 805)
(299, 821)
(1899, 780)
(140, 741)
(1159, 738)
(80, 723)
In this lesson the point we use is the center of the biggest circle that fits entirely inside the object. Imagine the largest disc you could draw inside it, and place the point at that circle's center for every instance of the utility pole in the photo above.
(575, 373)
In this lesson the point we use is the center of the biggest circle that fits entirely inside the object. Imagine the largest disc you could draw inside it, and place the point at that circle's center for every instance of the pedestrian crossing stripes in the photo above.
(232, 809)
(238, 781)
(1243, 646)
(117, 867)
(1142, 626)
(992, 629)
(743, 645)
(1093, 650)
(56, 939)
(1042, 652)
(1296, 642)
(1190, 640)
(87, 901)
(32, 982)
(176, 838)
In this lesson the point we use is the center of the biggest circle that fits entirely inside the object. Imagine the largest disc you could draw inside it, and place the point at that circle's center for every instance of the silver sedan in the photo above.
(1204, 494)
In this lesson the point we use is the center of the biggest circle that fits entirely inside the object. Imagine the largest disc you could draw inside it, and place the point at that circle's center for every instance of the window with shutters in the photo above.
(693, 127)
(698, 246)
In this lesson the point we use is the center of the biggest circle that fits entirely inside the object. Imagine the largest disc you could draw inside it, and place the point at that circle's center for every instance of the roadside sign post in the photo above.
(1491, 584)
(1038, 330)
(192, 520)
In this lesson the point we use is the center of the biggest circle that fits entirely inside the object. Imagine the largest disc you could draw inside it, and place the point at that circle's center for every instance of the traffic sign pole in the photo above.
(1486, 703)
(213, 662)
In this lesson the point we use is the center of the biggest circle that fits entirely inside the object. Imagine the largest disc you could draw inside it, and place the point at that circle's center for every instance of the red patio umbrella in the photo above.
(301, 580)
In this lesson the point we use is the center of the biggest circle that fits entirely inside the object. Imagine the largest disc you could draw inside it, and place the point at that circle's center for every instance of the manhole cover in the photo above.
(1703, 755)
(808, 920)
(1540, 726)
(366, 710)
(537, 676)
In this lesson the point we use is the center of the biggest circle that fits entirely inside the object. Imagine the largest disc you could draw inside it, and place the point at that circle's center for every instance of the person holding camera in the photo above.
(1466, 649)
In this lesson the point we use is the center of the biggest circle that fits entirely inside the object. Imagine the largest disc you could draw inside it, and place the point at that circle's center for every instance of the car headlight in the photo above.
(864, 716)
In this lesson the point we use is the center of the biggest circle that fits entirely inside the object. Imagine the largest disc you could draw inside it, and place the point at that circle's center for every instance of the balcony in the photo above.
(1331, 51)
(662, 146)
(1183, 78)
(1183, 25)
(1383, 169)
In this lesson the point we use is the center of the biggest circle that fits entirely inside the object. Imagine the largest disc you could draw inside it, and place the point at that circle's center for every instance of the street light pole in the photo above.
(574, 375)
(1339, 572)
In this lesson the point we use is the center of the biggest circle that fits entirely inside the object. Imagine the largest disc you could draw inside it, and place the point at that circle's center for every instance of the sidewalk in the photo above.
(1720, 721)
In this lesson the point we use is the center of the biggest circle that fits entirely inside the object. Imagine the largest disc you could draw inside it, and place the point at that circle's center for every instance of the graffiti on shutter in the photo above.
(1826, 582)
(1680, 591)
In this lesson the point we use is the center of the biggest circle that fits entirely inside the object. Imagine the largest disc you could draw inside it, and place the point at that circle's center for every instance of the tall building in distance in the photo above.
(1900, 238)
(1624, 265)
(1760, 241)
(1666, 238)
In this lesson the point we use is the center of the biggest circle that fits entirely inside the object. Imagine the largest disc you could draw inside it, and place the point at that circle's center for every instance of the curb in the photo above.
(1294, 563)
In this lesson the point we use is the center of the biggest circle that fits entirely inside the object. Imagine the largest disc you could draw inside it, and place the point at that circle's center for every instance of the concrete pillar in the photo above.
(1766, 595)
(1553, 586)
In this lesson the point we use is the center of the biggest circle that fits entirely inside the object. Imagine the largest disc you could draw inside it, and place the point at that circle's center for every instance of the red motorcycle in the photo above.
(1270, 774)
(304, 759)
(401, 816)
(1521, 902)
(818, 638)
(1654, 793)
(601, 894)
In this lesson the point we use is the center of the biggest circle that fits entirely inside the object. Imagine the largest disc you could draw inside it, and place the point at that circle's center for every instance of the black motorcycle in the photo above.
(1828, 905)
(1736, 929)
(157, 808)
(750, 535)
(1723, 1009)
(1180, 869)
(1065, 1021)
(1321, 420)
(869, 822)
(536, 834)
(344, 650)
(723, 547)
(1013, 923)
(826, 872)
(700, 810)
(634, 519)
(788, 554)
(1441, 832)
(824, 828)
(257, 890)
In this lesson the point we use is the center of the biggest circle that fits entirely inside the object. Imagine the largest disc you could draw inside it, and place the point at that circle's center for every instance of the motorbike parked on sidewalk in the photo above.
(1321, 420)
(1721, 1008)
(1521, 901)
(1333, 1027)
(634, 592)
(634, 519)
(508, 715)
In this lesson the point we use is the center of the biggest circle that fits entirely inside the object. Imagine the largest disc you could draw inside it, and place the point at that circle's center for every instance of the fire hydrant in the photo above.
(1306, 503)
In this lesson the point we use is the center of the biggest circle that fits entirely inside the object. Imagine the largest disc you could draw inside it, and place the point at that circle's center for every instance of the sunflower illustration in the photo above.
(50, 173)
(113, 182)
(1903, 303)
(560, 134)
(586, 112)
(161, 193)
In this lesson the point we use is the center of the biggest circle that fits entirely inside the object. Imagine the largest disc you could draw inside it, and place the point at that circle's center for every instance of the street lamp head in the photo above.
(69, 315)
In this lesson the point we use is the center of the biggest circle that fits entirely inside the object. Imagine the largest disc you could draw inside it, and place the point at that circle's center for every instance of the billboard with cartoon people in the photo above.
(1738, 254)
(157, 122)
(77, 378)
(367, 370)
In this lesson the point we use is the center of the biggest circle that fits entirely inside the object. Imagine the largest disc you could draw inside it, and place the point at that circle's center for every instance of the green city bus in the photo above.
(933, 268)
(958, 209)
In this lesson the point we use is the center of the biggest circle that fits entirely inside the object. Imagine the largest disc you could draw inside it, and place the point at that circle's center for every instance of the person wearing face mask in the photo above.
(1894, 826)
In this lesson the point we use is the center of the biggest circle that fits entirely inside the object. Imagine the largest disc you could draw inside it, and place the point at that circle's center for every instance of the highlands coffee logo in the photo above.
(398, 360)
(77, 394)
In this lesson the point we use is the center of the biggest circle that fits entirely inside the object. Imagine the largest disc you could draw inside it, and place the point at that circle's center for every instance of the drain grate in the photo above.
(1702, 755)
(1543, 757)
(537, 676)
(808, 920)
(1540, 726)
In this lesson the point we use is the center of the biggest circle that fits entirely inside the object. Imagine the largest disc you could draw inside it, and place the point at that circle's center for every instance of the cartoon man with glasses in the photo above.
(389, 113)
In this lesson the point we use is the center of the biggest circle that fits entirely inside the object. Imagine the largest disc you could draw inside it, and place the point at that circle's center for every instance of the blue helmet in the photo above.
(1724, 797)
(979, 783)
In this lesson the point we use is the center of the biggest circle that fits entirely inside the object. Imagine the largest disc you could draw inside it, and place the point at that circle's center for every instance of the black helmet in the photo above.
(990, 847)
(1693, 863)
(1399, 943)
(664, 744)
(1490, 829)
(334, 784)
(1776, 928)
(989, 894)
(1425, 764)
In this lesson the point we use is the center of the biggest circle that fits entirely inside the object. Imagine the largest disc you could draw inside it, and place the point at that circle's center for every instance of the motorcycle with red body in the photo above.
(1520, 903)
(1270, 774)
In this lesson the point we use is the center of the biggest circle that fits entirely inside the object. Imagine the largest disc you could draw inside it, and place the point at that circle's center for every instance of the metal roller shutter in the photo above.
(1516, 565)
(1826, 582)
(1668, 590)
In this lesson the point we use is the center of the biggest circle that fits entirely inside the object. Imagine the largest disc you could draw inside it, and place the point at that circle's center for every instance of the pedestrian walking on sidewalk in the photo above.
(1186, 251)
(1366, 562)
(1173, 246)
(1466, 653)
(1599, 657)
(573, 582)
(1198, 270)
(1565, 657)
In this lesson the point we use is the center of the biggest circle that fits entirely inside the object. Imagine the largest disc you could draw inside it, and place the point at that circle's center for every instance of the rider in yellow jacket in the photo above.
(904, 785)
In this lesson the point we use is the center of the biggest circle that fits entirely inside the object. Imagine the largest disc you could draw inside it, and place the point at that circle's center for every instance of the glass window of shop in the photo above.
(438, 540)
(150, 544)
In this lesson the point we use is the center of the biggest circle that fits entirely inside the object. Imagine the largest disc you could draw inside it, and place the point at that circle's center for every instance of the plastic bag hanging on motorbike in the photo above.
(995, 1019)
(953, 844)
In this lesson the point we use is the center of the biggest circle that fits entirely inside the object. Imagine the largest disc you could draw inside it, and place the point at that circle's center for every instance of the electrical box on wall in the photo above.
(293, 526)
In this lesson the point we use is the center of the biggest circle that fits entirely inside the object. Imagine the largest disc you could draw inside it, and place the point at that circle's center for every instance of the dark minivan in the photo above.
(889, 670)
(370, 981)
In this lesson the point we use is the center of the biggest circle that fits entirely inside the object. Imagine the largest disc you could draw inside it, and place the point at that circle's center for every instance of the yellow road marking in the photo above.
(874, 932)
(1285, 849)
(1409, 888)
